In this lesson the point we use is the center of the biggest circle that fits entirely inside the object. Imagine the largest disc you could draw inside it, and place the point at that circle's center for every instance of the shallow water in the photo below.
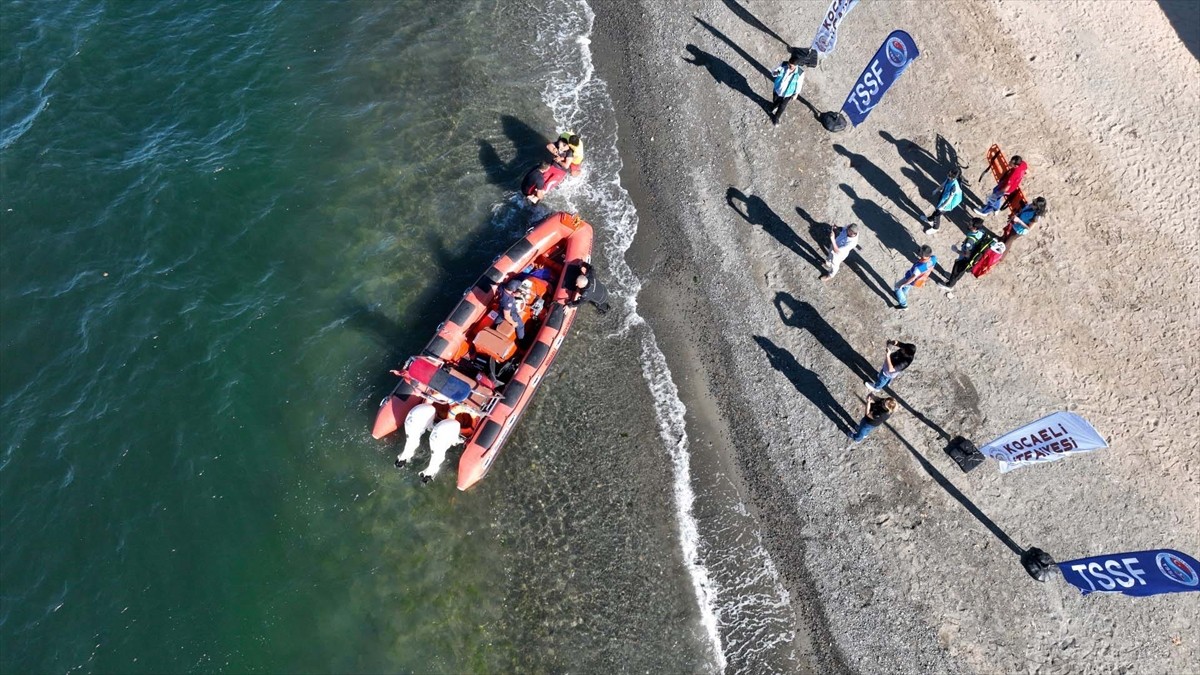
(222, 225)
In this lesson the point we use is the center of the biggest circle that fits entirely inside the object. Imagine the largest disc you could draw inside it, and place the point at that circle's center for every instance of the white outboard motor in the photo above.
(445, 434)
(418, 421)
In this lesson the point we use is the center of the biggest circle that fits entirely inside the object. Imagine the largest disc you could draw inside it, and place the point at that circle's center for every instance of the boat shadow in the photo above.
(529, 146)
(452, 272)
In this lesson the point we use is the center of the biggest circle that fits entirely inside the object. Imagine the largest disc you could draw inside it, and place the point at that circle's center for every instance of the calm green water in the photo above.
(221, 224)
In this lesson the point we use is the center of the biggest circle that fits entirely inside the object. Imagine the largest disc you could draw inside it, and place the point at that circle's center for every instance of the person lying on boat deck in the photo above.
(562, 153)
(534, 185)
(585, 288)
(510, 306)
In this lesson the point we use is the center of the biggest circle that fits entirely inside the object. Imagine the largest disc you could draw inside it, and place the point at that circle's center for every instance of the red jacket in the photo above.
(1011, 180)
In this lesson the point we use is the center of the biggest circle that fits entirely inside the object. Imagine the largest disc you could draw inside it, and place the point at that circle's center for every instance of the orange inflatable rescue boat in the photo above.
(475, 378)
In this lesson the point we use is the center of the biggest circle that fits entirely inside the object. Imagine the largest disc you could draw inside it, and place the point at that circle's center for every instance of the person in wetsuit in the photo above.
(584, 287)
(534, 185)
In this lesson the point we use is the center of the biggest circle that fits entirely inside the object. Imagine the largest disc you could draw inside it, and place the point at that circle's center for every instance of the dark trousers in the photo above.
(935, 219)
(960, 268)
(778, 103)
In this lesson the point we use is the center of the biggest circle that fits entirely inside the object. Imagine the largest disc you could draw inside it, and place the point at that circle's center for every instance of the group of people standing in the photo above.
(978, 252)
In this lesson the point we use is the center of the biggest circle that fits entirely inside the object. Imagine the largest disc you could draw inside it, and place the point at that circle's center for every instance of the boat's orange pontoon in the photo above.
(474, 379)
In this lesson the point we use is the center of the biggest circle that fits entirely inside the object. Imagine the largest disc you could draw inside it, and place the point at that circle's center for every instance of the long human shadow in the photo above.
(799, 314)
(762, 70)
(528, 144)
(725, 74)
(1184, 17)
(808, 383)
(928, 172)
(754, 22)
(756, 212)
(957, 494)
(854, 262)
(880, 180)
(811, 108)
(887, 230)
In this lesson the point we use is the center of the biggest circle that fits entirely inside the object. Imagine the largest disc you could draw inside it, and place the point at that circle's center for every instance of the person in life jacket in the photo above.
(968, 251)
(789, 80)
(916, 275)
(949, 197)
(1024, 219)
(567, 150)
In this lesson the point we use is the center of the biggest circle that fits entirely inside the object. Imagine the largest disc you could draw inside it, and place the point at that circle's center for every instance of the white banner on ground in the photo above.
(1047, 440)
(827, 33)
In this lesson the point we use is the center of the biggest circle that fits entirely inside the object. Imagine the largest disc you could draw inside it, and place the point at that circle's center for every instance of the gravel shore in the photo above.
(894, 560)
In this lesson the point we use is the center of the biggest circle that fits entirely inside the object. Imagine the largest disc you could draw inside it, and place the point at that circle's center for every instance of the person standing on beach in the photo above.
(898, 357)
(949, 197)
(1008, 184)
(1024, 219)
(875, 413)
(966, 251)
(916, 275)
(789, 79)
(842, 242)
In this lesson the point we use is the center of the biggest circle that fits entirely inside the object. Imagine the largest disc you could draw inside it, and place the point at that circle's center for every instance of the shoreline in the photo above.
(874, 545)
(668, 299)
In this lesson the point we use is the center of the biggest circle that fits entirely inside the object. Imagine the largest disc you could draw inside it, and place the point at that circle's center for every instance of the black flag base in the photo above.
(833, 121)
(964, 453)
(1038, 563)
(808, 57)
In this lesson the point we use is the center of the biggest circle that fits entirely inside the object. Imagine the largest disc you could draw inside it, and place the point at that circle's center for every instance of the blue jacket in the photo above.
(951, 195)
(787, 84)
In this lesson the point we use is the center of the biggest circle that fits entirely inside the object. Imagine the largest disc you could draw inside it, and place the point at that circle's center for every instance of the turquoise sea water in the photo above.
(221, 224)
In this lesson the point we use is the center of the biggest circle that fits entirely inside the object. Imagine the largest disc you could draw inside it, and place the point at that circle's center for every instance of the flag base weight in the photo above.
(833, 121)
(1037, 563)
(964, 453)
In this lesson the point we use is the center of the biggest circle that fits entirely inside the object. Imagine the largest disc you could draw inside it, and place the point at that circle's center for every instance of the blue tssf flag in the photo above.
(1138, 573)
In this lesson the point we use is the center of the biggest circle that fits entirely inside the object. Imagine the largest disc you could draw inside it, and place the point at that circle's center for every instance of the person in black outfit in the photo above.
(899, 356)
(876, 412)
(584, 287)
(534, 185)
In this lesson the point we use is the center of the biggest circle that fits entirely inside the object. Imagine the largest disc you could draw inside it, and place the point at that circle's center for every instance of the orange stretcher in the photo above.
(999, 165)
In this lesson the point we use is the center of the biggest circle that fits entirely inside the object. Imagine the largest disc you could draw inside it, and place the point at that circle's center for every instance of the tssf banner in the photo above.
(1051, 438)
(894, 55)
(1140, 573)
(827, 34)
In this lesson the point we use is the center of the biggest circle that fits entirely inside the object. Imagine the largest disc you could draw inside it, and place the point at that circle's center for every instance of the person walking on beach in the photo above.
(789, 79)
(916, 275)
(898, 357)
(1008, 184)
(1024, 219)
(875, 413)
(966, 252)
(949, 197)
(842, 242)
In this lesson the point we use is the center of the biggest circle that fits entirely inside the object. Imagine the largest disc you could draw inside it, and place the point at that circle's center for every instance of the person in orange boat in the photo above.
(511, 305)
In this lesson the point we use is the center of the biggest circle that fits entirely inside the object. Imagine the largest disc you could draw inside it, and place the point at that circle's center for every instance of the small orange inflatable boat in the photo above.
(475, 378)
